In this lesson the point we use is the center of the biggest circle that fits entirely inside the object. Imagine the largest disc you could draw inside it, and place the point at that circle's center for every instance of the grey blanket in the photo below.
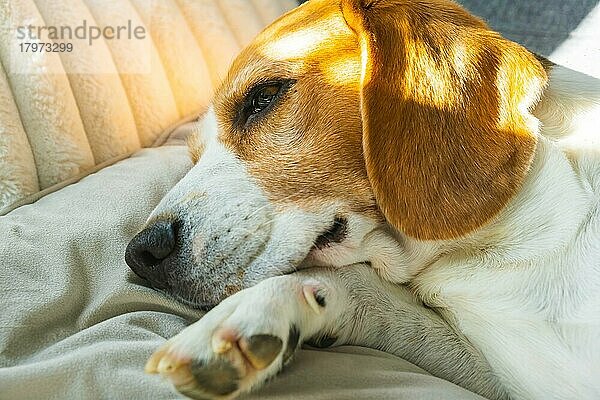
(75, 322)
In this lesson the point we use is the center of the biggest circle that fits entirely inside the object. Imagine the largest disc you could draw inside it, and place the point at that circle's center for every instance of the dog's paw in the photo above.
(243, 341)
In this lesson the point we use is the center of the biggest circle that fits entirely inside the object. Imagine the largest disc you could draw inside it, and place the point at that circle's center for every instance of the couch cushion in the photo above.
(63, 113)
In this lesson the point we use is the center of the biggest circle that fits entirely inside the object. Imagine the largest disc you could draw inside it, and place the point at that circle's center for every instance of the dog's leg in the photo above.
(250, 336)
(386, 316)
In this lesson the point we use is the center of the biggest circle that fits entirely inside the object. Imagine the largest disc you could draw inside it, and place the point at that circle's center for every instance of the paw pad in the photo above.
(261, 350)
(215, 378)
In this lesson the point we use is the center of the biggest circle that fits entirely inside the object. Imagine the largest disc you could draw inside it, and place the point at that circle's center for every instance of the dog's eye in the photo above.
(264, 97)
(260, 99)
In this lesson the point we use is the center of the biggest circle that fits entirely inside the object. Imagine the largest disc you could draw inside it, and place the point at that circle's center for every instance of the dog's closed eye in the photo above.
(261, 99)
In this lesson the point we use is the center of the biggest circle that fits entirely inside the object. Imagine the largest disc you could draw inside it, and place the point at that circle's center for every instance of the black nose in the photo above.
(147, 250)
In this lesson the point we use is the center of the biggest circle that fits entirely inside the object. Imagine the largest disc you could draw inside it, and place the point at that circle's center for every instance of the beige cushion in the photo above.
(61, 114)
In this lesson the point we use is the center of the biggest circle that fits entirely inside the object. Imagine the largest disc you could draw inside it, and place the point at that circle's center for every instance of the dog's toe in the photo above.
(216, 378)
(261, 350)
(197, 378)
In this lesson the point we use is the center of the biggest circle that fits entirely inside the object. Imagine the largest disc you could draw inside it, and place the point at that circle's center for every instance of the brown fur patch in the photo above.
(447, 134)
(195, 147)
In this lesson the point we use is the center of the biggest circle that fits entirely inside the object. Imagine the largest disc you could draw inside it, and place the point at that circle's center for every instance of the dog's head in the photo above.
(345, 127)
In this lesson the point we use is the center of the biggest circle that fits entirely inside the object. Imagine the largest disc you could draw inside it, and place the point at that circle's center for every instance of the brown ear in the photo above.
(447, 133)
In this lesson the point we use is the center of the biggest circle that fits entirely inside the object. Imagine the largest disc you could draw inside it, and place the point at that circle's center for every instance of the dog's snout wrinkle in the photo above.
(146, 252)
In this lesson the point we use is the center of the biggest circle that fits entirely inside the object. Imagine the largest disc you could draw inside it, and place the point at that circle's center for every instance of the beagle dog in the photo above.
(392, 174)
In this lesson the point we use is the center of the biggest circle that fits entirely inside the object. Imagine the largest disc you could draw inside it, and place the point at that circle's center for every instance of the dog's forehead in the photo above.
(314, 33)
(303, 32)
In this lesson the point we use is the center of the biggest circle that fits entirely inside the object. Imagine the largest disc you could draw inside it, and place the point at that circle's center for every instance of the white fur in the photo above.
(525, 289)
(520, 297)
